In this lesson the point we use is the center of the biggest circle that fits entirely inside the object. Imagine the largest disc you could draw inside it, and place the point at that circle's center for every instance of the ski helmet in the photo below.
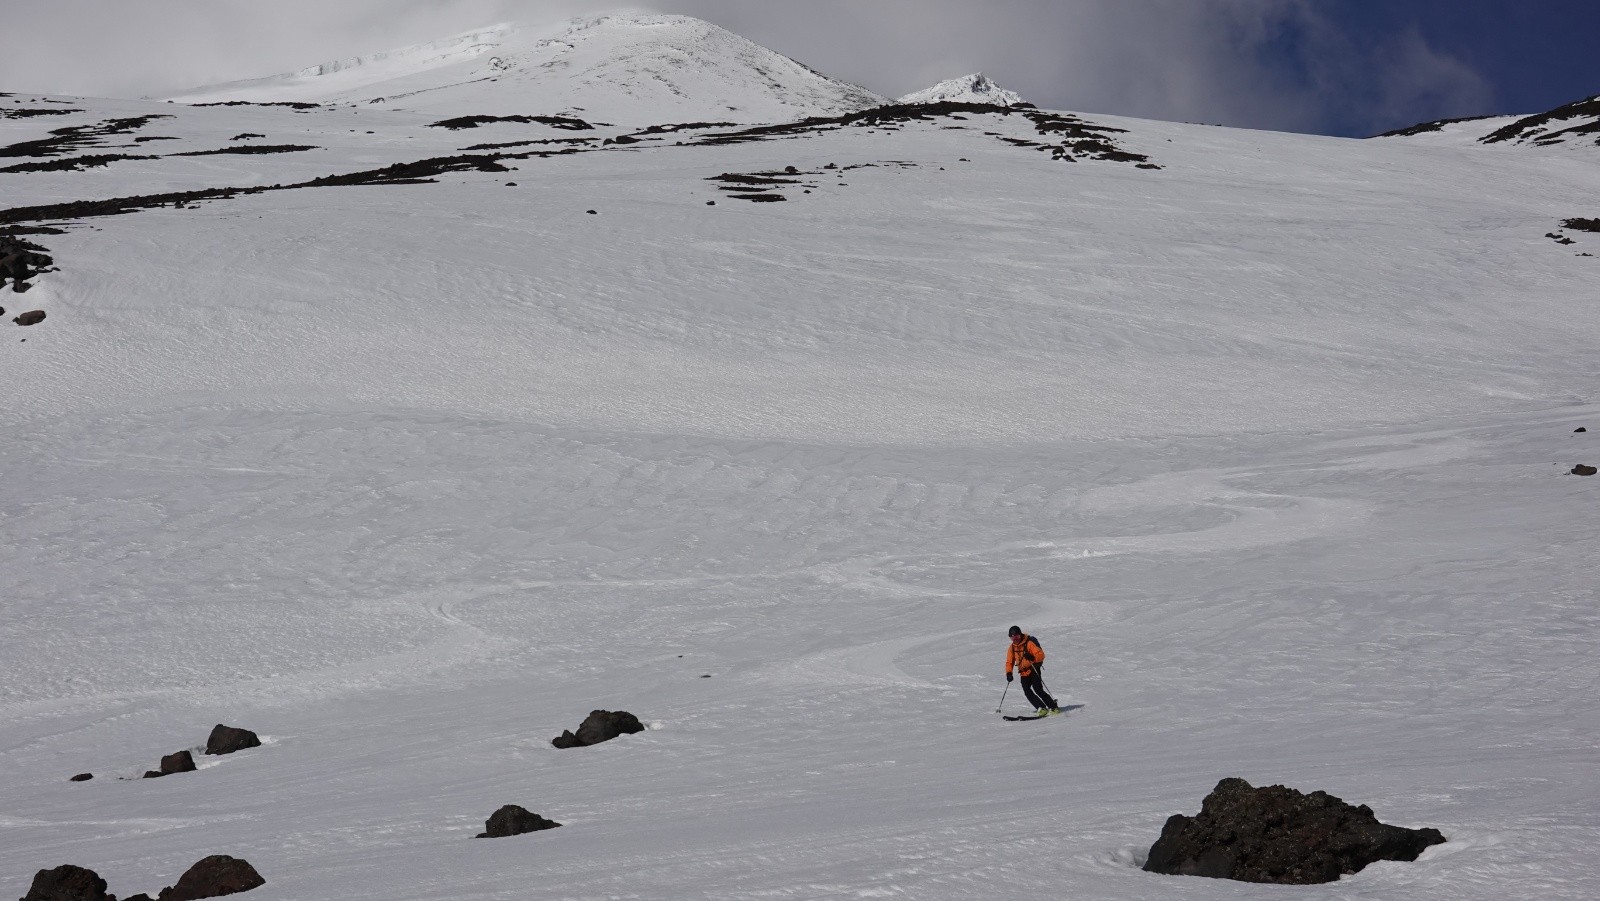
(1015, 630)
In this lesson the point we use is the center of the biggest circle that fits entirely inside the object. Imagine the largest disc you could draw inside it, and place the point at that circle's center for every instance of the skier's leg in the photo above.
(1044, 693)
(1032, 688)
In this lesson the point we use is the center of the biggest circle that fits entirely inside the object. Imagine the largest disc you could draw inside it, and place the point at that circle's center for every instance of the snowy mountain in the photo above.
(975, 88)
(633, 69)
(408, 433)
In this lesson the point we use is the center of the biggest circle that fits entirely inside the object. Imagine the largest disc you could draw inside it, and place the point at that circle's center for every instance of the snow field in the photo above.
(1268, 447)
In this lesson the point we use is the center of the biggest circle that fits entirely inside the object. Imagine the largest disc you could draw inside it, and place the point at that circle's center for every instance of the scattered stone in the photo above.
(1575, 431)
(1279, 835)
(708, 203)
(153, 774)
(214, 877)
(1583, 470)
(513, 820)
(82, 777)
(32, 317)
(599, 726)
(227, 739)
(68, 883)
(179, 762)
(593, 213)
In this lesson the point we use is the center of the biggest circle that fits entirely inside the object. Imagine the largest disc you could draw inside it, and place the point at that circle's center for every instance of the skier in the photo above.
(1027, 656)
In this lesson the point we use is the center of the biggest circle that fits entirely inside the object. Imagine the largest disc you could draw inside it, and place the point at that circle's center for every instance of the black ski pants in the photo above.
(1033, 687)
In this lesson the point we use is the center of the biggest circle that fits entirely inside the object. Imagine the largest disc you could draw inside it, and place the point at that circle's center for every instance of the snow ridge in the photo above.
(624, 68)
(974, 88)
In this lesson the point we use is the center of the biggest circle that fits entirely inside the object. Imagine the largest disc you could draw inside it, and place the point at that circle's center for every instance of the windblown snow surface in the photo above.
(625, 68)
(1268, 445)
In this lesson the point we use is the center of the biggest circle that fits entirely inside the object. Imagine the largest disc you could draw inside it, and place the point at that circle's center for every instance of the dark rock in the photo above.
(68, 883)
(1279, 835)
(180, 762)
(599, 726)
(227, 739)
(1583, 470)
(513, 820)
(593, 213)
(32, 317)
(139, 897)
(153, 774)
(214, 877)
(1574, 431)
(82, 777)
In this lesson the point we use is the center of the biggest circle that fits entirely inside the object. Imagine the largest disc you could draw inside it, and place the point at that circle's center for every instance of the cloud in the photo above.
(1278, 64)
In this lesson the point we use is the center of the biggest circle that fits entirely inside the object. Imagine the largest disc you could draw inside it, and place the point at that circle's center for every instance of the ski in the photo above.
(1018, 719)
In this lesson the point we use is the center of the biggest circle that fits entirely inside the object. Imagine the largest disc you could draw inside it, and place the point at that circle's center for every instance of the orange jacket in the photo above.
(1023, 655)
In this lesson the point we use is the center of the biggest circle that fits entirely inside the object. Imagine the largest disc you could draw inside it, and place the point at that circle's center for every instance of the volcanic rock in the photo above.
(214, 877)
(179, 762)
(1279, 835)
(82, 777)
(599, 726)
(513, 820)
(32, 317)
(1583, 470)
(68, 883)
(227, 739)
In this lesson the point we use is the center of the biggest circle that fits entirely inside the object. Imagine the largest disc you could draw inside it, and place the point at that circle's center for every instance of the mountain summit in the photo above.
(626, 69)
(974, 88)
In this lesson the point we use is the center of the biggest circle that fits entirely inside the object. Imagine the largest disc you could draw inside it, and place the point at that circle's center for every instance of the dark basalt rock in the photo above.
(565, 122)
(32, 317)
(227, 739)
(513, 820)
(214, 877)
(81, 777)
(1584, 470)
(1582, 225)
(599, 726)
(250, 149)
(178, 762)
(68, 883)
(1579, 429)
(1278, 835)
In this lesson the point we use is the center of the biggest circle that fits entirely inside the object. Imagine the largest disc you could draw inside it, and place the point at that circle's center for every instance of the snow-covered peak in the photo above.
(622, 68)
(974, 88)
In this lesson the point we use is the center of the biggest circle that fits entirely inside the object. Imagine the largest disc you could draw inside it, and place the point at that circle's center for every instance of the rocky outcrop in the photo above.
(1584, 470)
(214, 877)
(68, 883)
(228, 739)
(599, 726)
(513, 820)
(1279, 835)
(178, 762)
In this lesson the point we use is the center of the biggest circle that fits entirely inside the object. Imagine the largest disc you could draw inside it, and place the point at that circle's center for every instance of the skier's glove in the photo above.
(1008, 677)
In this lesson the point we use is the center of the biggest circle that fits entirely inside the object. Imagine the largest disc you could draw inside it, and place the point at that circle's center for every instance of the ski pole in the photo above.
(1003, 698)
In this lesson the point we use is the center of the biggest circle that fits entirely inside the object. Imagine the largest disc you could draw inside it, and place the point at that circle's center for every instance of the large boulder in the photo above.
(176, 762)
(1276, 834)
(214, 877)
(227, 739)
(599, 726)
(68, 883)
(513, 820)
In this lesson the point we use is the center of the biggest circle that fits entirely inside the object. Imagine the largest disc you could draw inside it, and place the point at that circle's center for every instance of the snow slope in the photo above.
(620, 68)
(1268, 445)
(975, 88)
